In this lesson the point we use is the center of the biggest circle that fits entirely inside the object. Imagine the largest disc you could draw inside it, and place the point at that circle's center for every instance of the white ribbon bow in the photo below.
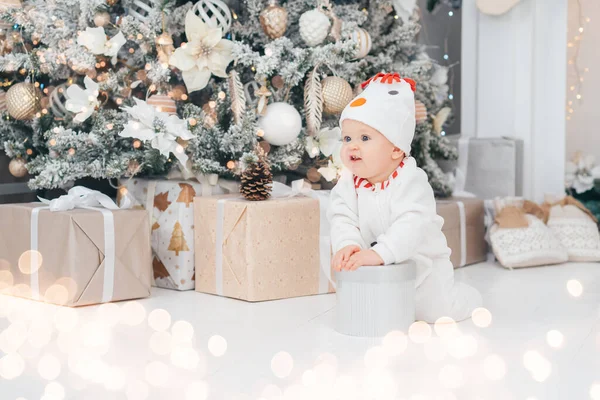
(82, 197)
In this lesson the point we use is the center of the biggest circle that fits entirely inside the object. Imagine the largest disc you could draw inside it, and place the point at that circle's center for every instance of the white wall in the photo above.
(582, 129)
(514, 72)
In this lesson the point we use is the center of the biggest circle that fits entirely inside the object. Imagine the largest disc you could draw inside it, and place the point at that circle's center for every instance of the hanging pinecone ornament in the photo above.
(314, 27)
(273, 20)
(257, 180)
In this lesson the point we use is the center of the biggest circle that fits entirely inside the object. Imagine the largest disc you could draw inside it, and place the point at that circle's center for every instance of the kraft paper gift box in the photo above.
(487, 167)
(84, 256)
(172, 213)
(262, 250)
(464, 228)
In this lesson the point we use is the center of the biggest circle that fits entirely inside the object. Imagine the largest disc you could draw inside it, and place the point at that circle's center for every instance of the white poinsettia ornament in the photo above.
(160, 129)
(581, 173)
(205, 53)
(95, 41)
(83, 102)
(326, 142)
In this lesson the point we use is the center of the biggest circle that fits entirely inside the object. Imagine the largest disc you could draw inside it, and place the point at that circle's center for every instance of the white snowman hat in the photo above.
(388, 105)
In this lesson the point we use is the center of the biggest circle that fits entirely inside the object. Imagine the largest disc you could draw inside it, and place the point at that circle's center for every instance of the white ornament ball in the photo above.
(214, 13)
(363, 42)
(314, 27)
(281, 124)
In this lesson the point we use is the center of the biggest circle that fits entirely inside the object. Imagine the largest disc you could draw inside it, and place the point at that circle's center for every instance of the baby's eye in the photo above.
(364, 138)
(347, 138)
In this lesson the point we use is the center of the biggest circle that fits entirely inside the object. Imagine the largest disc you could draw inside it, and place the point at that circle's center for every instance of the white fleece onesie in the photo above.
(398, 219)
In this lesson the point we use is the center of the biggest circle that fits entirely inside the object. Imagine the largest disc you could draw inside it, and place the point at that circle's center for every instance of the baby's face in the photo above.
(367, 153)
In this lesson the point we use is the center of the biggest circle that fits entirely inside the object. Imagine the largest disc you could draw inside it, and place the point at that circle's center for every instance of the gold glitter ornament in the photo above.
(273, 20)
(23, 101)
(337, 93)
(17, 167)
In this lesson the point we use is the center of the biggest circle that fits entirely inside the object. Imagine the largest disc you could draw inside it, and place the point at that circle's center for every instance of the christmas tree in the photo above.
(113, 88)
(178, 242)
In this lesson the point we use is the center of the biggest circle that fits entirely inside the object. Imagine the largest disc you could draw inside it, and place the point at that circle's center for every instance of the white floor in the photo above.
(112, 352)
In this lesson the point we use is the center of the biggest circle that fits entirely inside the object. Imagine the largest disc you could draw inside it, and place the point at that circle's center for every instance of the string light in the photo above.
(575, 45)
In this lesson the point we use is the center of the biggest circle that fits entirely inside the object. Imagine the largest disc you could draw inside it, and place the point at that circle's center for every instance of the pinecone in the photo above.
(257, 179)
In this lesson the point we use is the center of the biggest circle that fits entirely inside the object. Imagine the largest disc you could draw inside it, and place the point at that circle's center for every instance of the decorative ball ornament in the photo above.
(112, 2)
(363, 42)
(214, 13)
(2, 101)
(23, 101)
(101, 18)
(163, 103)
(5, 5)
(16, 166)
(58, 101)
(337, 93)
(420, 111)
(140, 9)
(281, 124)
(273, 20)
(314, 27)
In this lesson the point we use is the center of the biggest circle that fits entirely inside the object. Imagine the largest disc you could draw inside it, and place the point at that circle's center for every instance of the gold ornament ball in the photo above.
(420, 111)
(101, 19)
(337, 93)
(163, 103)
(273, 20)
(17, 167)
(23, 101)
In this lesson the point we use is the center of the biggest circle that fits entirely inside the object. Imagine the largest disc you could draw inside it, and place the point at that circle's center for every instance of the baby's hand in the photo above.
(342, 256)
(362, 258)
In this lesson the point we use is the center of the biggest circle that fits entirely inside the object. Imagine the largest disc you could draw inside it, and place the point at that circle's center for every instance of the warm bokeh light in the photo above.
(494, 367)
(30, 262)
(133, 313)
(555, 338)
(157, 374)
(376, 358)
(161, 343)
(451, 376)
(49, 367)
(197, 391)
(182, 331)
(159, 320)
(445, 327)
(282, 364)
(482, 317)
(419, 332)
(217, 345)
(395, 343)
(574, 287)
(137, 390)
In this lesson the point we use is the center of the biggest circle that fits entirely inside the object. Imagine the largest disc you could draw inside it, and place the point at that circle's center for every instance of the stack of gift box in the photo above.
(186, 235)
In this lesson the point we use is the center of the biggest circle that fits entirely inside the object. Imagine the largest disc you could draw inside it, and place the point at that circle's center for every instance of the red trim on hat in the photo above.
(390, 79)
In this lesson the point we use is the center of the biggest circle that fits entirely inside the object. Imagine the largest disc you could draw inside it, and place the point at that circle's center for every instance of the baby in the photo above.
(383, 210)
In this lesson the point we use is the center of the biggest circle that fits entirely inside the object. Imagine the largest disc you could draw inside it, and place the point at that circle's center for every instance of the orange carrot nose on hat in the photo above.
(388, 105)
